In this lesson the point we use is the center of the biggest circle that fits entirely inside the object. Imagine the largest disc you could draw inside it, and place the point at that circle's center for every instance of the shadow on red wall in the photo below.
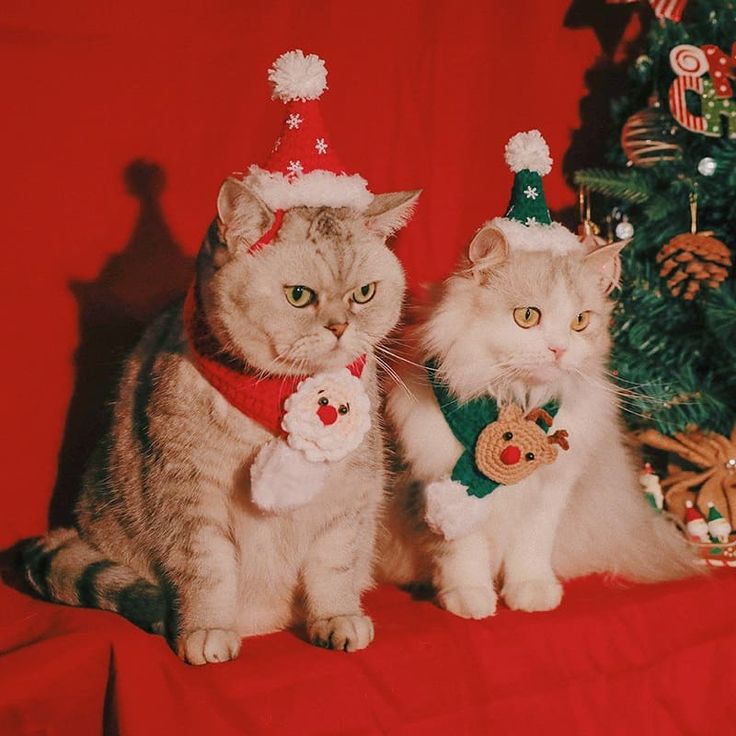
(621, 41)
(113, 309)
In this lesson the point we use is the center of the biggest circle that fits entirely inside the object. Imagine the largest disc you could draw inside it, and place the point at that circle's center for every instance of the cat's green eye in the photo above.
(527, 317)
(300, 296)
(581, 321)
(365, 293)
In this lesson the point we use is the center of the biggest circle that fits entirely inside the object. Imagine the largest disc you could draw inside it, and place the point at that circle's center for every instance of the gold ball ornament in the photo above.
(647, 137)
(691, 261)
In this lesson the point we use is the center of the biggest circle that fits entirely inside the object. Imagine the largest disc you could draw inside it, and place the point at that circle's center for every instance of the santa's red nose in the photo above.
(327, 414)
(511, 455)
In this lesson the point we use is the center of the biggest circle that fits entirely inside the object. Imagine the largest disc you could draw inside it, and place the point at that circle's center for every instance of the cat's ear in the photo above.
(605, 264)
(389, 212)
(244, 215)
(488, 250)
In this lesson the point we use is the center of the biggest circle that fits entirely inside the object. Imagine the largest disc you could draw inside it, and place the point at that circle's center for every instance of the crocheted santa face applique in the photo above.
(514, 446)
(326, 418)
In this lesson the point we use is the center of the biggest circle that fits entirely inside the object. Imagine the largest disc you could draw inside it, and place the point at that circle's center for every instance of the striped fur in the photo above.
(166, 533)
(53, 566)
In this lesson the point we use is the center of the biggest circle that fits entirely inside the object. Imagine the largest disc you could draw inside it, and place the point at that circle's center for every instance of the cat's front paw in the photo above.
(202, 646)
(542, 594)
(469, 602)
(346, 633)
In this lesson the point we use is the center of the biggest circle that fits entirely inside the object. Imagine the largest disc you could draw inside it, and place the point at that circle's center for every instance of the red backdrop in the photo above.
(422, 94)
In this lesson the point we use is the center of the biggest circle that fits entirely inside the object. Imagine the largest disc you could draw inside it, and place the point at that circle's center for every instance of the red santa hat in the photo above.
(303, 168)
(692, 513)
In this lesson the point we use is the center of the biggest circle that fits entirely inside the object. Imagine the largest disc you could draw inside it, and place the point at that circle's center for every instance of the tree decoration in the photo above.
(669, 9)
(588, 231)
(624, 229)
(674, 357)
(692, 260)
(707, 166)
(718, 528)
(651, 487)
(712, 481)
(692, 66)
(695, 524)
(648, 137)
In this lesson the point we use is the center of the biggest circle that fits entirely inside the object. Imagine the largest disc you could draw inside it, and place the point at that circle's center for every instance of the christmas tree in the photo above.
(670, 181)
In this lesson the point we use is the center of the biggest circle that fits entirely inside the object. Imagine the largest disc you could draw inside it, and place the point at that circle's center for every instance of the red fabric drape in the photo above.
(422, 94)
(611, 661)
(119, 122)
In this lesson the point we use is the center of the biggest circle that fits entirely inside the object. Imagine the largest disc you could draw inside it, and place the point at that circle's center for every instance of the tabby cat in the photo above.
(166, 531)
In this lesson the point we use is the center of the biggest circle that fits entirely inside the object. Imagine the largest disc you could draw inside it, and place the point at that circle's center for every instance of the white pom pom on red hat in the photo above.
(298, 77)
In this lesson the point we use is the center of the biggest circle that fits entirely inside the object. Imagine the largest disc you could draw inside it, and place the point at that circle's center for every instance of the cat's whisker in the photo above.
(394, 376)
(396, 356)
(622, 392)
(624, 404)
(389, 370)
(264, 373)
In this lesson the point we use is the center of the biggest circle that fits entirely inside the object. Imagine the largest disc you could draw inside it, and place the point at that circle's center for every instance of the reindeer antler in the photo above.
(535, 414)
(559, 438)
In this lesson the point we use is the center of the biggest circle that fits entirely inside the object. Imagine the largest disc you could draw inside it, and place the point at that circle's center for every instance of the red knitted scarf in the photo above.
(259, 397)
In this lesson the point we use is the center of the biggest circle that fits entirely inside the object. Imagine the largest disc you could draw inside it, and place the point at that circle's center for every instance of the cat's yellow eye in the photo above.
(300, 296)
(365, 293)
(581, 321)
(527, 317)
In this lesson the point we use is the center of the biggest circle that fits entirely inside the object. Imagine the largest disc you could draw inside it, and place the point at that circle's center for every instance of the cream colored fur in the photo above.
(585, 512)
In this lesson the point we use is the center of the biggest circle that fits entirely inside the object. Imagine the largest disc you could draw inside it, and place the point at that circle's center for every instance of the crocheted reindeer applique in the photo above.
(514, 446)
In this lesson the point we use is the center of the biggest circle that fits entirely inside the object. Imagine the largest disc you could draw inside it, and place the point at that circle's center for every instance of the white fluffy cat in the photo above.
(523, 325)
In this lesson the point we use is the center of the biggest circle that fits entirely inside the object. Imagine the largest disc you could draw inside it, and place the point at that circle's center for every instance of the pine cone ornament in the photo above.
(692, 260)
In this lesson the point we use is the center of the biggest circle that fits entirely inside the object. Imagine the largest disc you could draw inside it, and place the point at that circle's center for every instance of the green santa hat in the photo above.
(718, 527)
(527, 155)
(527, 224)
(713, 513)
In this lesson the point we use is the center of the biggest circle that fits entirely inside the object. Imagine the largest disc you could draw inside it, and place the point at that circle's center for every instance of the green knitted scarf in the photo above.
(467, 421)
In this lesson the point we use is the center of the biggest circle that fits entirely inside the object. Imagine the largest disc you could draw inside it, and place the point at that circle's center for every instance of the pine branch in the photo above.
(631, 186)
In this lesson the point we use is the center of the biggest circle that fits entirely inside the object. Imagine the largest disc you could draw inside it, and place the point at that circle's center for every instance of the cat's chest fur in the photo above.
(586, 415)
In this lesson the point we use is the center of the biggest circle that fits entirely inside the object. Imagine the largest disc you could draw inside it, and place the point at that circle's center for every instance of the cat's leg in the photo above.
(201, 564)
(463, 577)
(529, 580)
(336, 572)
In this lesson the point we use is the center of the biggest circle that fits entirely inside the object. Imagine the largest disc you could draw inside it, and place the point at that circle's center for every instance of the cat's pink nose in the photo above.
(337, 328)
(511, 455)
(557, 351)
(327, 414)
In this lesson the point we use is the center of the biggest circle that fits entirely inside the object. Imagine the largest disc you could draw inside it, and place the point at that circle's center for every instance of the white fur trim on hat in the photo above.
(530, 151)
(317, 188)
(534, 238)
(298, 77)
